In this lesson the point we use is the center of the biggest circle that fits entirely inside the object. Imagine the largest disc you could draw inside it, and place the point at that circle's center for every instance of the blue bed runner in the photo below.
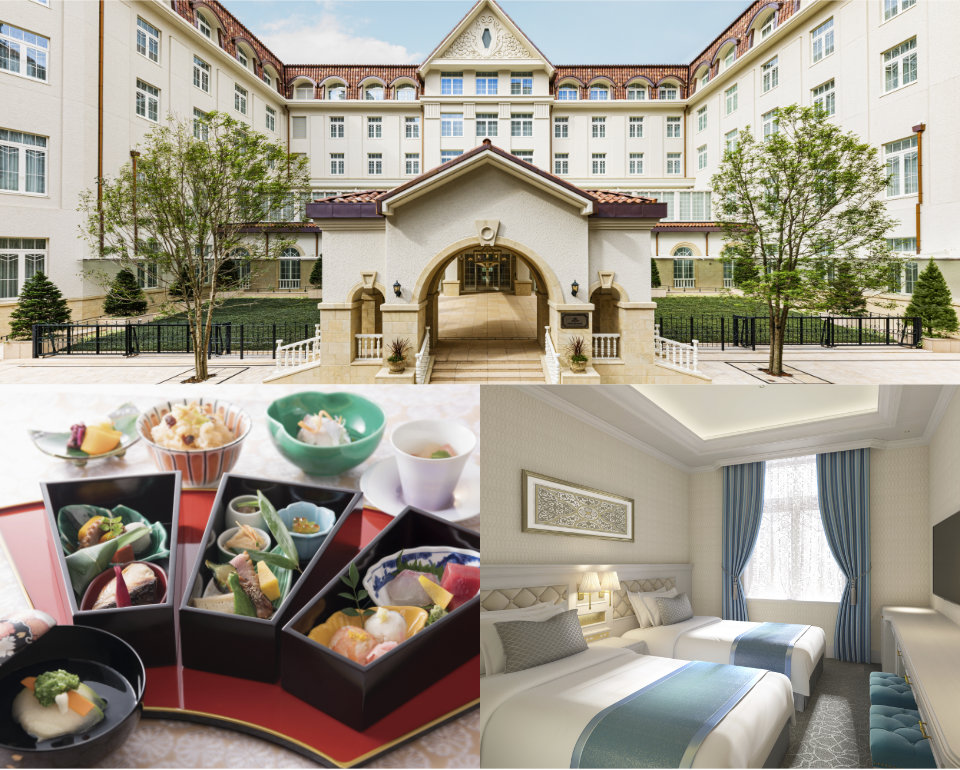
(769, 646)
(665, 723)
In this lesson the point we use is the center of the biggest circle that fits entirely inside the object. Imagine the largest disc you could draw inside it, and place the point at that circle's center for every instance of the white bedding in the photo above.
(533, 718)
(710, 638)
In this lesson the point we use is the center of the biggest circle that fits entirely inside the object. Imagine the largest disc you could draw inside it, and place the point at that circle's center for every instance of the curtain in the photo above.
(742, 511)
(843, 486)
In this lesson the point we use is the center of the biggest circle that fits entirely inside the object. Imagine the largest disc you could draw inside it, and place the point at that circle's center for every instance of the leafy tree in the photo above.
(187, 206)
(931, 301)
(316, 275)
(654, 274)
(125, 297)
(803, 197)
(40, 302)
(844, 295)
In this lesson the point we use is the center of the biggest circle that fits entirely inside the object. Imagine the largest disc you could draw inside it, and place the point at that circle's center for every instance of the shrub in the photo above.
(125, 297)
(654, 274)
(40, 302)
(316, 275)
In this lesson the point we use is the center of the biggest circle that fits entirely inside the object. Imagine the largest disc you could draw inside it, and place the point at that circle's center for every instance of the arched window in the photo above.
(303, 90)
(239, 268)
(373, 92)
(599, 92)
(683, 276)
(336, 92)
(768, 25)
(204, 25)
(683, 251)
(636, 92)
(668, 91)
(406, 93)
(290, 268)
(568, 92)
(291, 253)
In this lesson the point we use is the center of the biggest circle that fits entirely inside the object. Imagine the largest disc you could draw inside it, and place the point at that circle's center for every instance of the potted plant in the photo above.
(398, 355)
(576, 351)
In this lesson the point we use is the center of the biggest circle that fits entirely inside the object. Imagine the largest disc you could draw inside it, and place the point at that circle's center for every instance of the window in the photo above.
(821, 39)
(561, 128)
(729, 57)
(303, 92)
(673, 128)
(486, 124)
(598, 163)
(770, 124)
(561, 163)
(242, 58)
(728, 275)
(685, 206)
(374, 93)
(901, 158)
(635, 124)
(201, 129)
(673, 162)
(669, 91)
(701, 157)
(730, 99)
(240, 98)
(204, 26)
(568, 92)
(201, 74)
(910, 272)
(411, 163)
(337, 93)
(451, 83)
(337, 127)
(792, 560)
(265, 77)
(683, 277)
(704, 78)
(636, 93)
(702, 118)
(892, 7)
(148, 101)
(900, 65)
(636, 163)
(904, 278)
(730, 140)
(771, 74)
(374, 163)
(451, 124)
(290, 269)
(20, 260)
(406, 93)
(271, 119)
(411, 128)
(298, 127)
(521, 83)
(524, 155)
(598, 127)
(447, 155)
(521, 124)
(147, 275)
(768, 26)
(486, 84)
(337, 164)
(148, 40)
(374, 128)
(824, 98)
(23, 53)
(23, 162)
(599, 93)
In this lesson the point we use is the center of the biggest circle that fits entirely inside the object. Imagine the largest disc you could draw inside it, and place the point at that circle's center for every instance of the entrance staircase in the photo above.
(453, 367)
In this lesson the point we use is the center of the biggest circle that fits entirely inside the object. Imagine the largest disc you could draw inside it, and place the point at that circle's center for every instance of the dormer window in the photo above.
(636, 93)
(303, 92)
(668, 91)
(406, 94)
(242, 58)
(486, 38)
(768, 26)
(728, 58)
(337, 93)
(204, 27)
(599, 93)
(374, 93)
(568, 92)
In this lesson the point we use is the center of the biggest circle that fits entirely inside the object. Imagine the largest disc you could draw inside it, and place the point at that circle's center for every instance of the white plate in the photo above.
(380, 484)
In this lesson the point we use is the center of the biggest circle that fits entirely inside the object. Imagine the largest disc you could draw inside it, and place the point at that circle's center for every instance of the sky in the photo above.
(406, 31)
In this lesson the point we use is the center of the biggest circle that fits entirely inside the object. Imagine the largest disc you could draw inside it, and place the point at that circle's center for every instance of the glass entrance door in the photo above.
(487, 271)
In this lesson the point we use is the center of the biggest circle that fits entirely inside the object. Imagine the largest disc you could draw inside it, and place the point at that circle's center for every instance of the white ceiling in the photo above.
(704, 427)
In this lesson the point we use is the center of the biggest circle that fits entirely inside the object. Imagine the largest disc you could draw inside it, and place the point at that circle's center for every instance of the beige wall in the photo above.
(945, 484)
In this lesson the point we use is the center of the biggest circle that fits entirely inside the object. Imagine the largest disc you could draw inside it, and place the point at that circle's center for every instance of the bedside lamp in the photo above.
(589, 585)
(609, 582)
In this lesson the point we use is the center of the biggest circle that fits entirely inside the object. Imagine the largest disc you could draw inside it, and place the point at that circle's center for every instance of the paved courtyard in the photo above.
(487, 316)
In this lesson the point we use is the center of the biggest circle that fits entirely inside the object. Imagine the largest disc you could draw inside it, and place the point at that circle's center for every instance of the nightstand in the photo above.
(597, 636)
(639, 647)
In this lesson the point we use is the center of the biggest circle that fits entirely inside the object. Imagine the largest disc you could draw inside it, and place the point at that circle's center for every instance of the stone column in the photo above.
(402, 321)
(636, 343)
(451, 279)
(523, 285)
(339, 322)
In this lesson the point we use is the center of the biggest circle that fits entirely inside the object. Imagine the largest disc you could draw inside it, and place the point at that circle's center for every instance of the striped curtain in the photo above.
(742, 511)
(843, 486)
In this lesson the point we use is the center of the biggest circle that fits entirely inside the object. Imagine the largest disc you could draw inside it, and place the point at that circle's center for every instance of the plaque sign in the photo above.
(574, 320)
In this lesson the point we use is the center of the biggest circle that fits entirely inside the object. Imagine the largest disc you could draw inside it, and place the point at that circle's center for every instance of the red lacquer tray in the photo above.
(257, 708)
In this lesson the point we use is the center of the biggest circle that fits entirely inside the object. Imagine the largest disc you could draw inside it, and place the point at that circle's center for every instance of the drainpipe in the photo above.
(918, 130)
(100, 126)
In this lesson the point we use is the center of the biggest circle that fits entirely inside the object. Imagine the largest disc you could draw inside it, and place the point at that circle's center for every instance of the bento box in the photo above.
(235, 644)
(359, 695)
(150, 499)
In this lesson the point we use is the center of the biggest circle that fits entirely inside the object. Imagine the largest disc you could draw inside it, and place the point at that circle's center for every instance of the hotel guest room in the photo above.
(734, 577)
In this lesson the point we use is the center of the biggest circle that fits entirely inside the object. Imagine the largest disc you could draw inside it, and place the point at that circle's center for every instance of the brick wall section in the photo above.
(620, 75)
(352, 74)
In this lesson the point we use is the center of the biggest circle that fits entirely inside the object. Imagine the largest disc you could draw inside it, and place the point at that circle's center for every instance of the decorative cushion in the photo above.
(894, 694)
(674, 610)
(493, 659)
(896, 740)
(529, 643)
(883, 677)
(650, 602)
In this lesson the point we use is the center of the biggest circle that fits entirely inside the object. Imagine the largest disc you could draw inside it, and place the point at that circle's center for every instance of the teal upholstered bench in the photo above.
(890, 690)
(896, 739)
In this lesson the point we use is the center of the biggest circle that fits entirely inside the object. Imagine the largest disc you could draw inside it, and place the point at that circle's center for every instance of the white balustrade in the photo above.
(298, 353)
(423, 359)
(678, 355)
(289, 283)
(553, 360)
(606, 346)
(684, 283)
(369, 347)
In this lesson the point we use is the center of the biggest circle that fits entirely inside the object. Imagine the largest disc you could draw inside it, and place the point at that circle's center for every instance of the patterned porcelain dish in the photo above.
(124, 419)
(200, 467)
(381, 573)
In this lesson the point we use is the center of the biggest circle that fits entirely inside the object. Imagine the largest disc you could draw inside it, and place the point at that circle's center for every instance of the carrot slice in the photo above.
(75, 700)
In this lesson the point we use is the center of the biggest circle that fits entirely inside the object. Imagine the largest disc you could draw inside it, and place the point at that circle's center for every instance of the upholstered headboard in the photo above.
(518, 598)
(621, 605)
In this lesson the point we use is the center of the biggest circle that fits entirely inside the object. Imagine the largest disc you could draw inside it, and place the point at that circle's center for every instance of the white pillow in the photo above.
(650, 602)
(493, 659)
(639, 607)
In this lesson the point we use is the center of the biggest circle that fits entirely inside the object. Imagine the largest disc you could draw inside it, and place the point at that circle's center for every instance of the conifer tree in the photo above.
(845, 295)
(316, 275)
(125, 297)
(40, 302)
(932, 301)
(654, 274)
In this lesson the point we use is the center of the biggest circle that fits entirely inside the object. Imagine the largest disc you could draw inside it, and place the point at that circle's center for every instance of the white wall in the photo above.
(945, 483)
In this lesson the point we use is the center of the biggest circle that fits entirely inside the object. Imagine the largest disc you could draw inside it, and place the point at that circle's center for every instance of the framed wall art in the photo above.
(559, 507)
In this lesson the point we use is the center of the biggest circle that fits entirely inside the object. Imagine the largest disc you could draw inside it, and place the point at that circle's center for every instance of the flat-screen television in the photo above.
(946, 559)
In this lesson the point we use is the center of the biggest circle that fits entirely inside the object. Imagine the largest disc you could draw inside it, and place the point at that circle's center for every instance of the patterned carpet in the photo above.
(834, 730)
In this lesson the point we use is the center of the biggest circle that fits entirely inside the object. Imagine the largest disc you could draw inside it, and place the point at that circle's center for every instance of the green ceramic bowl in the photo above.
(363, 420)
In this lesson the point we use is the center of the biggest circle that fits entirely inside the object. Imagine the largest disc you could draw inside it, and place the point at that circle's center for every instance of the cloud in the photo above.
(326, 39)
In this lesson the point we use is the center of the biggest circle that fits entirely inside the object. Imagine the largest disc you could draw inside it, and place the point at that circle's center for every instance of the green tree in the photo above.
(188, 205)
(125, 297)
(40, 301)
(316, 275)
(795, 200)
(844, 294)
(931, 301)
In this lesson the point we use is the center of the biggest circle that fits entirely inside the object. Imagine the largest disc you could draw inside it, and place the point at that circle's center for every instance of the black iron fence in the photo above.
(827, 331)
(130, 339)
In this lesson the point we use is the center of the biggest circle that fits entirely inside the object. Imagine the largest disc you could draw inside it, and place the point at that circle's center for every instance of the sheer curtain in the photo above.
(792, 559)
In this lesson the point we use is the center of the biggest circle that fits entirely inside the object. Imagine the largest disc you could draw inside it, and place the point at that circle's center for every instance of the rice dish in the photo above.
(191, 427)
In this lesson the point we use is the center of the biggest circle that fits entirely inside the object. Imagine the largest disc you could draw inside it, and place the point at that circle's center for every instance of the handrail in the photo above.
(297, 353)
(553, 360)
(605, 346)
(423, 359)
(369, 346)
(678, 355)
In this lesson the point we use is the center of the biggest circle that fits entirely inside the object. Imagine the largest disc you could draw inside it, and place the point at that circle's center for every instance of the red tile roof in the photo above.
(695, 226)
(361, 196)
(352, 74)
(611, 196)
(620, 75)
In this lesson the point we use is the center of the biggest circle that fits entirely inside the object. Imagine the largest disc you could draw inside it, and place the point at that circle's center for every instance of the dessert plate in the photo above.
(380, 484)
(124, 419)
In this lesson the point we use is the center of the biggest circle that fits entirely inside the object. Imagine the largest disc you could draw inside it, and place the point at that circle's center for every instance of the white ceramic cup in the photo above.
(427, 483)
(234, 518)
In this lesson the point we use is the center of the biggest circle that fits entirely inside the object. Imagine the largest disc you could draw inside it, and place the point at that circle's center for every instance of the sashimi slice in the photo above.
(405, 589)
(463, 581)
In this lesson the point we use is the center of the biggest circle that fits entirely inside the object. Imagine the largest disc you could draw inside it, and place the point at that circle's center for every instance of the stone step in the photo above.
(459, 366)
(485, 380)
